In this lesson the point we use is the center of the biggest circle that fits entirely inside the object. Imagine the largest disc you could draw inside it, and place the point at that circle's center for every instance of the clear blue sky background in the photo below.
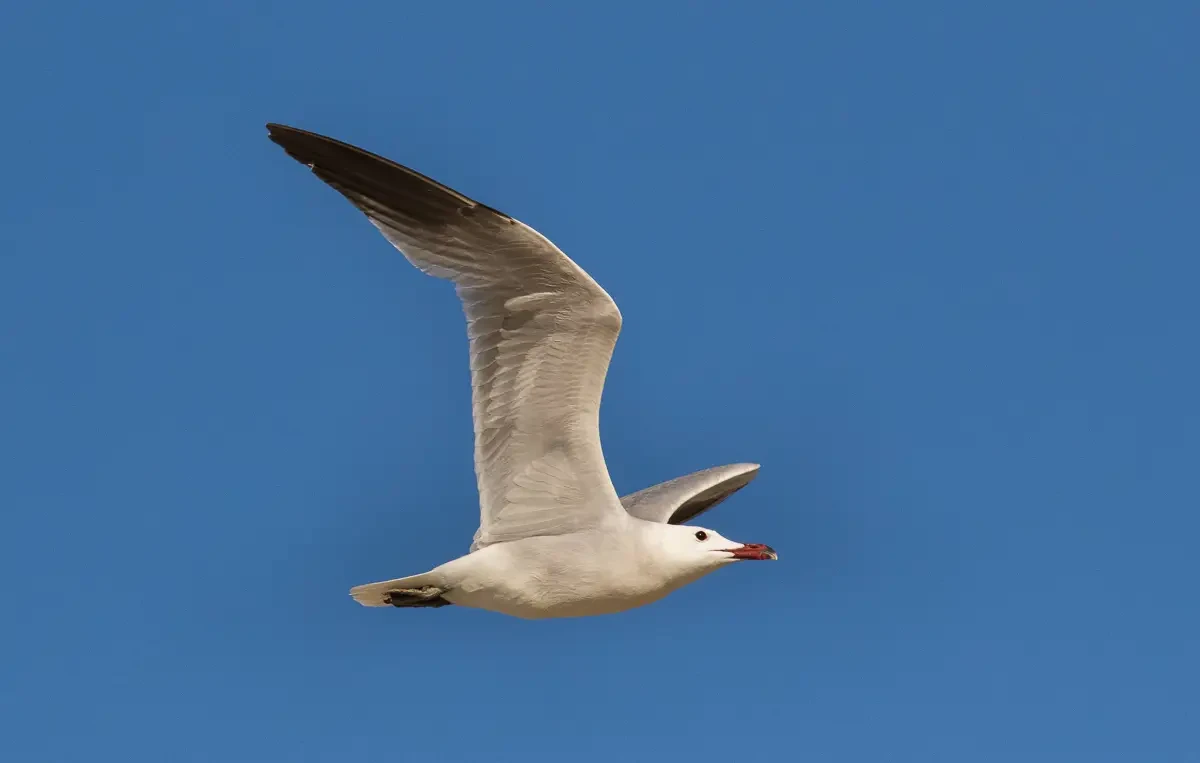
(933, 265)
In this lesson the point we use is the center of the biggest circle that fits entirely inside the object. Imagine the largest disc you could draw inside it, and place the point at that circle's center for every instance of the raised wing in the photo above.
(683, 498)
(541, 335)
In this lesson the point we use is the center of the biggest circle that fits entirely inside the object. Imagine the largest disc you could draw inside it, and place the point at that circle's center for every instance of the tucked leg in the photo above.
(427, 596)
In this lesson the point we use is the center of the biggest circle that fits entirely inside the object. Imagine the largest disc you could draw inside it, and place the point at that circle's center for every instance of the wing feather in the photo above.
(684, 498)
(541, 335)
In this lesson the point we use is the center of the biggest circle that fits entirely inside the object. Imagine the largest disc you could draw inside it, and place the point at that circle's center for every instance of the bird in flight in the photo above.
(554, 538)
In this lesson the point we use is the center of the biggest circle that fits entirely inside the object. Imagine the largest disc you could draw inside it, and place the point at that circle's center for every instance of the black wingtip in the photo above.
(278, 132)
(298, 142)
(273, 130)
(360, 175)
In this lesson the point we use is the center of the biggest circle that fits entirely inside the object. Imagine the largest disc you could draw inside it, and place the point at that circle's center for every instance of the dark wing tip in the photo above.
(371, 181)
(706, 499)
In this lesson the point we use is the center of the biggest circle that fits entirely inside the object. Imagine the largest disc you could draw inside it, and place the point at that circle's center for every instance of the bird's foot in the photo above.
(428, 596)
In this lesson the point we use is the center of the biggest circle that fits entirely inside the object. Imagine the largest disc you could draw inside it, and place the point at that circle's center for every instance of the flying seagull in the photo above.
(554, 539)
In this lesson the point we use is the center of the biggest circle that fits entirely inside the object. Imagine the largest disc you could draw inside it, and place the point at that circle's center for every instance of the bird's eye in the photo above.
(701, 535)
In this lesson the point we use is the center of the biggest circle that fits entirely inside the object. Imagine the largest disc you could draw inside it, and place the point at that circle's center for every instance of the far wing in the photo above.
(683, 498)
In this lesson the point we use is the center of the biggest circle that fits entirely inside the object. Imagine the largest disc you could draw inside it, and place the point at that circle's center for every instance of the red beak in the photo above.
(754, 551)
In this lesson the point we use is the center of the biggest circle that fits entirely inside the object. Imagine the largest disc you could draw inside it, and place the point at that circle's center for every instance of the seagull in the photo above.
(554, 538)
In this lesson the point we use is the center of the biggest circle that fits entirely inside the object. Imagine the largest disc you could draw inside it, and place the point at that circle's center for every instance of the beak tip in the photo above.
(755, 551)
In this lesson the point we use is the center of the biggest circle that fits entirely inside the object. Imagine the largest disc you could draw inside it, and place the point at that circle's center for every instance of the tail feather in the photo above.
(375, 594)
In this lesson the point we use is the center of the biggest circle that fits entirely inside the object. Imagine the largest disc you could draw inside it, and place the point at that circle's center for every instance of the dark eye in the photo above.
(701, 535)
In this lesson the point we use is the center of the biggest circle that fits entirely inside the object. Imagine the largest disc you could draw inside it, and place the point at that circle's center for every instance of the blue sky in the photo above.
(934, 266)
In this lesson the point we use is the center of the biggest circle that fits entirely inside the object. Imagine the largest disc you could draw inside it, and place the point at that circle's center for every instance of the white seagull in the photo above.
(554, 539)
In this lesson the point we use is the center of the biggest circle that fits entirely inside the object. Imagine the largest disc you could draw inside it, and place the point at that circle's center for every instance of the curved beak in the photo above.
(754, 552)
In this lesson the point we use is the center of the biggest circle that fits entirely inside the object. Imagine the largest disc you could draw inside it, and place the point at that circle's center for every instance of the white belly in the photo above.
(538, 578)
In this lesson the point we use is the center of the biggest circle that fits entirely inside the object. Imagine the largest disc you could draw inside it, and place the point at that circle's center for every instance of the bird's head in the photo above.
(699, 548)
